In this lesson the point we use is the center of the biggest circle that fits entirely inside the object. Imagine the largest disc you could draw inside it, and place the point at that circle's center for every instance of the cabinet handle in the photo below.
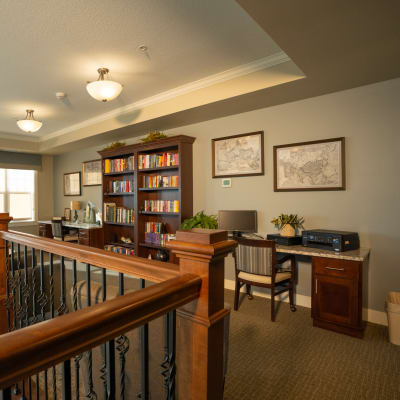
(335, 269)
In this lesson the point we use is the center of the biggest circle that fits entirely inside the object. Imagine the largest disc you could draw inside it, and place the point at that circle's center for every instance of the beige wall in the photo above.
(367, 117)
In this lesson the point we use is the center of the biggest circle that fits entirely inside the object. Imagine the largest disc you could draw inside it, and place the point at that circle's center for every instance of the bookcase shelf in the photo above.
(119, 194)
(119, 173)
(154, 189)
(182, 146)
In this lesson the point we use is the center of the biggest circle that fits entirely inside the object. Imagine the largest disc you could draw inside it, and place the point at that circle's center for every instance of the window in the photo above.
(17, 193)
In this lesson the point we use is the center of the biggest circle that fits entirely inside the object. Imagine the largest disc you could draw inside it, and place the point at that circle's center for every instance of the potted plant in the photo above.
(288, 223)
(200, 220)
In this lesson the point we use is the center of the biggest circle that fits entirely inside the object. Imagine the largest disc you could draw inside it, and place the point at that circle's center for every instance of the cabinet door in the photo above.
(335, 299)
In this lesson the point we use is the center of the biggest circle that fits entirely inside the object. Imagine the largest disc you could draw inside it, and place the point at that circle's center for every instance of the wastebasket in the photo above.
(393, 312)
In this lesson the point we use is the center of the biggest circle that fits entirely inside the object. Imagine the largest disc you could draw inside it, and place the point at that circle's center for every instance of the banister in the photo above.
(50, 342)
(151, 270)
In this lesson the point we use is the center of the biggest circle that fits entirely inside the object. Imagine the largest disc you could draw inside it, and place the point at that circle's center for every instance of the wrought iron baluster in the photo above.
(19, 282)
(78, 358)
(122, 344)
(54, 374)
(26, 290)
(66, 380)
(110, 348)
(13, 286)
(62, 309)
(144, 341)
(46, 391)
(34, 294)
(42, 298)
(91, 394)
(7, 301)
(103, 369)
(168, 365)
(5, 394)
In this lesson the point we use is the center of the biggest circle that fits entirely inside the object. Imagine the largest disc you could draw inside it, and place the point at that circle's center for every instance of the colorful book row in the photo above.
(119, 215)
(119, 250)
(171, 206)
(159, 239)
(118, 164)
(159, 181)
(121, 187)
(158, 160)
(155, 227)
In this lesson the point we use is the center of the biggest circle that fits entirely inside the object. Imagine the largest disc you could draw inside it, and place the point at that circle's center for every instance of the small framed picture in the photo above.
(226, 182)
(72, 184)
(91, 172)
(67, 214)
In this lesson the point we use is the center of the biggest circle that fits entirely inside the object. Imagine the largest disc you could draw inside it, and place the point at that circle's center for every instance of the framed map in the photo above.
(239, 155)
(318, 165)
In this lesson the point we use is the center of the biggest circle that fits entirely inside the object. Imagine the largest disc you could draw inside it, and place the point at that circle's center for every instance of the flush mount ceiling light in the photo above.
(29, 124)
(104, 89)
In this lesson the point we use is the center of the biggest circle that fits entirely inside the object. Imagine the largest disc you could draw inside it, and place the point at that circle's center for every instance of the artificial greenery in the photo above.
(200, 220)
(155, 135)
(288, 219)
(114, 145)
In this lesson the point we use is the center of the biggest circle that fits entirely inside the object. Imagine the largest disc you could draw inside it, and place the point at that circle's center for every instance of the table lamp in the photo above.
(75, 206)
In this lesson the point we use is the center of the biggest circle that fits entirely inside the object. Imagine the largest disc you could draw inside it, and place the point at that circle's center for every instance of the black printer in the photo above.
(331, 240)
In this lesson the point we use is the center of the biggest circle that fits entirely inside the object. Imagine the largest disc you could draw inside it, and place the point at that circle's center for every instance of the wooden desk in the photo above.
(88, 234)
(337, 282)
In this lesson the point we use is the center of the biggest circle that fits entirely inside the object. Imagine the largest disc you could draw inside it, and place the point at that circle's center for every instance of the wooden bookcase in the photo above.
(183, 146)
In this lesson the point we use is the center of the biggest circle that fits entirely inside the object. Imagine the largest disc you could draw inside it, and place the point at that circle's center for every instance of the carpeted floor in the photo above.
(289, 359)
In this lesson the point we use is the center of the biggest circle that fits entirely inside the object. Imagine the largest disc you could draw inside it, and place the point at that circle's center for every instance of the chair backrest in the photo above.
(57, 227)
(255, 256)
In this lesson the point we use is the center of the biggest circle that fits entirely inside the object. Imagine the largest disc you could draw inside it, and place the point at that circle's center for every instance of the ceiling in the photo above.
(50, 46)
(206, 59)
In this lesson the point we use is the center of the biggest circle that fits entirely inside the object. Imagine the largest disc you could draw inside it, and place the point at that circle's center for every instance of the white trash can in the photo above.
(393, 313)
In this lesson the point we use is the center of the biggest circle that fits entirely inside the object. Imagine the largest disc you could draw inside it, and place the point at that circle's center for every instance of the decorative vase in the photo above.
(288, 231)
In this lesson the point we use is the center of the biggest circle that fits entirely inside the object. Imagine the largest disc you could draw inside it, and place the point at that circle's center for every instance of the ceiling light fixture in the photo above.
(104, 89)
(29, 124)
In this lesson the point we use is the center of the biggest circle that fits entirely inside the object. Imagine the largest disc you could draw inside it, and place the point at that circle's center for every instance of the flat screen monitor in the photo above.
(238, 220)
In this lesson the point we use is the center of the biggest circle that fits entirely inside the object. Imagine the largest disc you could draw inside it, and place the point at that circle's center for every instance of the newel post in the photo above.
(4, 220)
(200, 324)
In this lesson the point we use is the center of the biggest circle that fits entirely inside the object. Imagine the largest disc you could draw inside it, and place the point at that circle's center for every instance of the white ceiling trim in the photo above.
(245, 69)
(25, 137)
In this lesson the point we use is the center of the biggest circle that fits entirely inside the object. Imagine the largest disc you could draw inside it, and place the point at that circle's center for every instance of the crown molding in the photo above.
(245, 69)
(28, 137)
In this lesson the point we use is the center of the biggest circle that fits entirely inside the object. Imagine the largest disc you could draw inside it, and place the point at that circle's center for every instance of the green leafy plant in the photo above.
(288, 219)
(114, 145)
(200, 220)
(155, 135)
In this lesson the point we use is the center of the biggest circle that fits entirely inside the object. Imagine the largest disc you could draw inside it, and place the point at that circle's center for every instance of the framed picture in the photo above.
(239, 155)
(67, 214)
(91, 172)
(72, 184)
(317, 165)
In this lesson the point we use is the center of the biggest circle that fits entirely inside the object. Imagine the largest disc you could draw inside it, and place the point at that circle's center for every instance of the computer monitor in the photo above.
(238, 221)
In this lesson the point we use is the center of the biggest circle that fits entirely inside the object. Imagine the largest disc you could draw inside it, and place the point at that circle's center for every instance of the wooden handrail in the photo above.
(50, 342)
(151, 270)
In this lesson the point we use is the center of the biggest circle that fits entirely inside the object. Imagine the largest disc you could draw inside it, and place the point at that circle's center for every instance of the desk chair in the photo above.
(256, 265)
(60, 232)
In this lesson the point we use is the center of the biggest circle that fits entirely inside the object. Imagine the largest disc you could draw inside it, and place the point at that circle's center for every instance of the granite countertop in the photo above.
(360, 254)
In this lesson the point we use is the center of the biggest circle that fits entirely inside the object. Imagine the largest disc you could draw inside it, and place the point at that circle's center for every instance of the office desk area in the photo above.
(337, 284)
(88, 234)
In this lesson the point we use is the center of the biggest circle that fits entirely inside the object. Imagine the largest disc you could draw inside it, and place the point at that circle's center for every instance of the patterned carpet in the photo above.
(289, 359)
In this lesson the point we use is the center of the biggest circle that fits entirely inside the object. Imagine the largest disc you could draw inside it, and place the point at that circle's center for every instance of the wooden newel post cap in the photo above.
(5, 218)
(206, 242)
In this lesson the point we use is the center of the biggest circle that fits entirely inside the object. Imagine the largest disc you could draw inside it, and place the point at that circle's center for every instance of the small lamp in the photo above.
(75, 206)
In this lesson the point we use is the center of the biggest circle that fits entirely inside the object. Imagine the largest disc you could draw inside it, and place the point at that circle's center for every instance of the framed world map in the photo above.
(317, 165)
(238, 155)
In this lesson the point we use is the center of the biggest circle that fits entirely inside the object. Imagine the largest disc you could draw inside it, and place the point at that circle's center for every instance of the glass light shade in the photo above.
(29, 125)
(104, 90)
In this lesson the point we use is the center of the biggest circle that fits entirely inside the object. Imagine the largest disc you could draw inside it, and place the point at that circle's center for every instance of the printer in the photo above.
(331, 240)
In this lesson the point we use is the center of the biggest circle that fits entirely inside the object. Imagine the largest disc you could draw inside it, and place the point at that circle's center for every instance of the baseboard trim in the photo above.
(373, 316)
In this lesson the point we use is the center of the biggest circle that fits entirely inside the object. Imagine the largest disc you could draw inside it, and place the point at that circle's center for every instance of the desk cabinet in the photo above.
(45, 230)
(336, 295)
(91, 237)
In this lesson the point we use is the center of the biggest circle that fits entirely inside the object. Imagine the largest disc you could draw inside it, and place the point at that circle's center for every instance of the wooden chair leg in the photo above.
(237, 291)
(272, 304)
(291, 298)
(248, 290)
